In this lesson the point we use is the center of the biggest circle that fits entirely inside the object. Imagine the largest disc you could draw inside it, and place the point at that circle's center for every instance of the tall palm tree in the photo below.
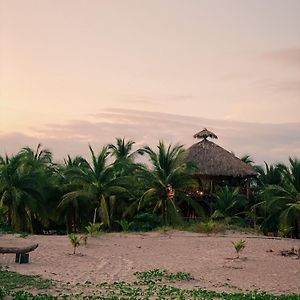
(169, 181)
(21, 192)
(76, 208)
(40, 162)
(97, 184)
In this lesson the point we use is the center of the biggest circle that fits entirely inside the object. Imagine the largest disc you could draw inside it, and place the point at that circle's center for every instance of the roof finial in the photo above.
(204, 134)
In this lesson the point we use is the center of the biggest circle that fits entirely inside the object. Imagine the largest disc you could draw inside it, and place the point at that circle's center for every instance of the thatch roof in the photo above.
(204, 134)
(213, 160)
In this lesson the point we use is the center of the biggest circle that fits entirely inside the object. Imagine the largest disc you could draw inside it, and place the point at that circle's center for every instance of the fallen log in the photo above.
(18, 250)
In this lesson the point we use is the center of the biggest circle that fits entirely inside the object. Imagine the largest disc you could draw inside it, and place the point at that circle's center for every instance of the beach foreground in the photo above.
(211, 260)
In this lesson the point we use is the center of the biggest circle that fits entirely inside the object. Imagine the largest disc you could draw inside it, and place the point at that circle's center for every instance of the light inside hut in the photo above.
(200, 193)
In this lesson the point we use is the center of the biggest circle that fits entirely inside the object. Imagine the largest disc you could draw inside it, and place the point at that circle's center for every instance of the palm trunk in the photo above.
(95, 215)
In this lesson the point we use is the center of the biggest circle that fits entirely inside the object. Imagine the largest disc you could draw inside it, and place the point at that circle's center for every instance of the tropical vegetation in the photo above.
(126, 189)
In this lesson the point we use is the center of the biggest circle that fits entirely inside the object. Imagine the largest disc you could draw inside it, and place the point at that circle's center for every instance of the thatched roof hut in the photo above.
(214, 161)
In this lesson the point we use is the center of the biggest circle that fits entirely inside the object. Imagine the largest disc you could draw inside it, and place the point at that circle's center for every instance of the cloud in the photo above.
(289, 56)
(275, 85)
(265, 142)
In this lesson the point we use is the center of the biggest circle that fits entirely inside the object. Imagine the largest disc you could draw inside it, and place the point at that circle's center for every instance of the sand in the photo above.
(210, 259)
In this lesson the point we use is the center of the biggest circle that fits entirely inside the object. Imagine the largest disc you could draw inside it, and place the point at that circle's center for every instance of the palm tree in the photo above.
(21, 192)
(247, 159)
(169, 181)
(95, 184)
(73, 209)
(39, 161)
(124, 164)
(283, 201)
(269, 175)
(43, 156)
(122, 150)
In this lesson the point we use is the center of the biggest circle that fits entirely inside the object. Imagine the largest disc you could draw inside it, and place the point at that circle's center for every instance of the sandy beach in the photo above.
(210, 259)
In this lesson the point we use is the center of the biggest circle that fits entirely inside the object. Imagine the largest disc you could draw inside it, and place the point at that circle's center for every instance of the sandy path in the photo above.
(112, 257)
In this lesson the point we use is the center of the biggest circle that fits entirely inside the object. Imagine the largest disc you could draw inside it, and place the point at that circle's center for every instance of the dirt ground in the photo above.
(210, 259)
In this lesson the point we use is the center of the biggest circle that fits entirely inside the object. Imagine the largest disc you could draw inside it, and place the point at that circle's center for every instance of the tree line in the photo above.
(111, 188)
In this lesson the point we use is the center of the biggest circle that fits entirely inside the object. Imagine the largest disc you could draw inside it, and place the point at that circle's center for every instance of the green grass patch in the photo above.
(152, 284)
(156, 275)
(13, 281)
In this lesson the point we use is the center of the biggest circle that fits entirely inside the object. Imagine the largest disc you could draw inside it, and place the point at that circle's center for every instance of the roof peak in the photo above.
(204, 134)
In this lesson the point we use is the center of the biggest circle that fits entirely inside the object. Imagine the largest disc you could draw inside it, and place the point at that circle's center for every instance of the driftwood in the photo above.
(18, 250)
(294, 251)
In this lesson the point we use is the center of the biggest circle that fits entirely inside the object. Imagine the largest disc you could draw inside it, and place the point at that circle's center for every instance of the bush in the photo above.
(145, 222)
(124, 224)
(92, 228)
(208, 227)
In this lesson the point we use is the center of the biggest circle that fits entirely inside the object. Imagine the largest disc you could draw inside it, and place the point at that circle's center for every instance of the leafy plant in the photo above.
(229, 205)
(239, 246)
(125, 225)
(207, 227)
(157, 275)
(93, 228)
(75, 241)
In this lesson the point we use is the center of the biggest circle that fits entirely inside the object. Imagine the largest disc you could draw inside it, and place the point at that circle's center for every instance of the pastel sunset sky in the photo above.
(74, 72)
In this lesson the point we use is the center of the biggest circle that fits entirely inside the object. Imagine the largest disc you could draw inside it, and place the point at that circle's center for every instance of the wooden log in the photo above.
(18, 250)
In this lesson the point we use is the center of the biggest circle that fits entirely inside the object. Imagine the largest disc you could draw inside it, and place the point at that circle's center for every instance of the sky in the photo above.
(75, 72)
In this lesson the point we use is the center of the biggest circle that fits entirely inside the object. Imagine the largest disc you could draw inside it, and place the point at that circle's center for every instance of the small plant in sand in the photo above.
(209, 226)
(125, 225)
(239, 246)
(93, 228)
(75, 241)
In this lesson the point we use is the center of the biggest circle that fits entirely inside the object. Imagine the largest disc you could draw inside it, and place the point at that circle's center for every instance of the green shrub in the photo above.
(125, 225)
(145, 222)
(208, 227)
(93, 228)
(239, 246)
